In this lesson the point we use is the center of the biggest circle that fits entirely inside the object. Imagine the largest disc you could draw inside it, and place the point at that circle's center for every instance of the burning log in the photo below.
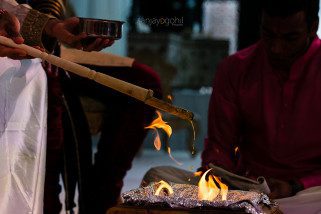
(129, 89)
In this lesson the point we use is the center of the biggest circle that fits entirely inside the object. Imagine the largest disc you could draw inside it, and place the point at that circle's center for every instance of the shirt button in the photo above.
(285, 105)
(282, 126)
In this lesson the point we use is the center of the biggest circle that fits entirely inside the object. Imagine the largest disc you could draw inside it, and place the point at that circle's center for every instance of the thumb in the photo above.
(18, 39)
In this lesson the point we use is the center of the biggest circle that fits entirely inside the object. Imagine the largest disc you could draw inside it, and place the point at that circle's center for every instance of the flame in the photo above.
(164, 185)
(224, 188)
(236, 150)
(199, 173)
(157, 141)
(207, 190)
(170, 98)
(160, 124)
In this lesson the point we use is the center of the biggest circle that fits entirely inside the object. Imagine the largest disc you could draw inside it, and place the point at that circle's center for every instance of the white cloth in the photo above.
(13, 2)
(307, 201)
(19, 10)
(23, 126)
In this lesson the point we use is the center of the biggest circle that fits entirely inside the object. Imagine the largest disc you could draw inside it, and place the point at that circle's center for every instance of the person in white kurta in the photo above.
(23, 119)
(23, 113)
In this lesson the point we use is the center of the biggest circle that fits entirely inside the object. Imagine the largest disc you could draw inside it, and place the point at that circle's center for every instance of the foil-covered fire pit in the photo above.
(186, 196)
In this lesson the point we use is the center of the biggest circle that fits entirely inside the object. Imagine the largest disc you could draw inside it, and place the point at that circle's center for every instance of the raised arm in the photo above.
(44, 24)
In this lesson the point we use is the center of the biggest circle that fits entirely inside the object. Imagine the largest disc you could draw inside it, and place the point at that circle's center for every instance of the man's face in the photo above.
(285, 38)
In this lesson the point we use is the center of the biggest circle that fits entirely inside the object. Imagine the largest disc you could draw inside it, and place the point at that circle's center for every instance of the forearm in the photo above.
(47, 13)
(36, 23)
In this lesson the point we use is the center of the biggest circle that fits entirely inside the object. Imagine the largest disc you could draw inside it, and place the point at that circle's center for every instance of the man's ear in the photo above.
(314, 28)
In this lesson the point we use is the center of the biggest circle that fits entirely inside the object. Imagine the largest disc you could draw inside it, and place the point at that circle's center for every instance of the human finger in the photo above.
(13, 53)
(71, 39)
(108, 42)
(94, 46)
(18, 40)
(39, 48)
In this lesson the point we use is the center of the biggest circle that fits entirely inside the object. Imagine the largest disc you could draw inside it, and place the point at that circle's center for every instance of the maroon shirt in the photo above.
(276, 123)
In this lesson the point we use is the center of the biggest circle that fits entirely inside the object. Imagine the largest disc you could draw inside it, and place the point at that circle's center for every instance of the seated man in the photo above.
(266, 102)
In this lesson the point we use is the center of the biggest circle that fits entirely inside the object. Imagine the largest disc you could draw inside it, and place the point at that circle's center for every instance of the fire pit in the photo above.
(123, 209)
(183, 198)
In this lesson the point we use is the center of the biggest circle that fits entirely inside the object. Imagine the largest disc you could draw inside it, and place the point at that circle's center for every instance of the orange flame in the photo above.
(224, 188)
(236, 150)
(199, 173)
(170, 98)
(157, 141)
(164, 185)
(207, 190)
(160, 124)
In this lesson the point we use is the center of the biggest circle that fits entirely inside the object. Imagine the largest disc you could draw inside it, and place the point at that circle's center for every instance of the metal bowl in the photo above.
(110, 29)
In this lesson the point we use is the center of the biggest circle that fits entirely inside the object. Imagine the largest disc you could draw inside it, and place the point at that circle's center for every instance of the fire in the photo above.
(170, 98)
(160, 124)
(199, 173)
(224, 188)
(164, 185)
(236, 150)
(208, 190)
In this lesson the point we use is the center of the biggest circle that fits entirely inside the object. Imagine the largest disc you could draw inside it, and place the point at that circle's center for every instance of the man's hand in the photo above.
(10, 27)
(66, 32)
(279, 188)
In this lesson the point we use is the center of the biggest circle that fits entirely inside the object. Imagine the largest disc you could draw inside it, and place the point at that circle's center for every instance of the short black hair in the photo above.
(284, 8)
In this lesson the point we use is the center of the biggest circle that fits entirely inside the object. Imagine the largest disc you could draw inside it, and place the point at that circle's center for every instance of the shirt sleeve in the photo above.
(223, 122)
(51, 7)
(33, 20)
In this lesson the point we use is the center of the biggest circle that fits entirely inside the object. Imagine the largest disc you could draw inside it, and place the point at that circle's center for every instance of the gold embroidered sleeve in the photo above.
(33, 26)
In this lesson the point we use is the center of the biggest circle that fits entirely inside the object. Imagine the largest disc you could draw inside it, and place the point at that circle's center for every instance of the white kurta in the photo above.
(23, 125)
(307, 201)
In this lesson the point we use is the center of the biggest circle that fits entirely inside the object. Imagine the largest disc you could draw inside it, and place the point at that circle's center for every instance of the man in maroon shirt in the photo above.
(266, 102)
